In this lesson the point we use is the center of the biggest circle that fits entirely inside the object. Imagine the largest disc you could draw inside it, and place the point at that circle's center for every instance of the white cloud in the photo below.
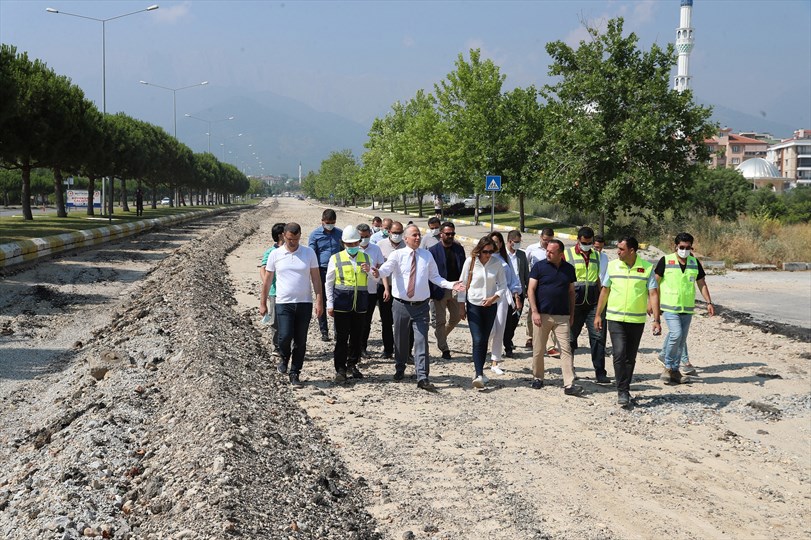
(643, 12)
(408, 42)
(576, 35)
(174, 13)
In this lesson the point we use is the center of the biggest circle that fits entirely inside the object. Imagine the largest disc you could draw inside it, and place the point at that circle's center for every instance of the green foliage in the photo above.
(765, 203)
(617, 137)
(798, 205)
(721, 192)
(337, 176)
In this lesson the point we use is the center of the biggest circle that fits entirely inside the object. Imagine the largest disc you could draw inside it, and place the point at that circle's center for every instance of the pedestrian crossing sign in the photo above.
(492, 183)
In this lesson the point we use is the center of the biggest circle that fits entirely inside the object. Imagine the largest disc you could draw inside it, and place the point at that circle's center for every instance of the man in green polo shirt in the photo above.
(628, 287)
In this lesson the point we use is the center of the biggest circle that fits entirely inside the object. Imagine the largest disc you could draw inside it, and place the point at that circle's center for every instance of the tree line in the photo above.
(609, 136)
(47, 123)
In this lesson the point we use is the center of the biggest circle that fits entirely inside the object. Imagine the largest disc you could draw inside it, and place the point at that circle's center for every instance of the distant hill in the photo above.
(740, 121)
(283, 131)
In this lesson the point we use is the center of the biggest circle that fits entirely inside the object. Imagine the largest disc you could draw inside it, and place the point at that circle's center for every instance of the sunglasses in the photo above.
(449, 233)
(487, 252)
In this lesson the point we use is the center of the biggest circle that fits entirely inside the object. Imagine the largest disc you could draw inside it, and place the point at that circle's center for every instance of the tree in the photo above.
(721, 192)
(337, 175)
(617, 136)
(469, 101)
(765, 203)
(798, 204)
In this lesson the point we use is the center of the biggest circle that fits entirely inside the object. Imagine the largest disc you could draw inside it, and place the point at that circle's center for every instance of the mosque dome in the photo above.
(758, 168)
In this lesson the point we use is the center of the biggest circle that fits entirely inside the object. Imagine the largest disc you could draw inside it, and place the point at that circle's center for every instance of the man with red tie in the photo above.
(411, 269)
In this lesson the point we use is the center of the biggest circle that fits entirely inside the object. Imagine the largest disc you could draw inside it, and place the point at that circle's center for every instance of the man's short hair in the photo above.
(548, 231)
(585, 232)
(412, 226)
(329, 215)
(434, 221)
(630, 242)
(684, 237)
(363, 227)
(277, 231)
(448, 224)
(599, 238)
(389, 220)
(292, 228)
(513, 234)
(376, 218)
(557, 243)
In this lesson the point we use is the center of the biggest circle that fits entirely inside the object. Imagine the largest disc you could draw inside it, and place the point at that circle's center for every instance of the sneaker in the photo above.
(478, 382)
(552, 352)
(325, 337)
(537, 384)
(295, 380)
(340, 377)
(603, 379)
(676, 377)
(666, 376)
(356, 374)
(623, 399)
(446, 355)
(398, 375)
(661, 358)
(485, 379)
(528, 344)
(573, 390)
(687, 369)
(281, 367)
(497, 370)
(425, 384)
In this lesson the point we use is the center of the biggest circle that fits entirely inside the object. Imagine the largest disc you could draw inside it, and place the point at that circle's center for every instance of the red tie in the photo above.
(412, 278)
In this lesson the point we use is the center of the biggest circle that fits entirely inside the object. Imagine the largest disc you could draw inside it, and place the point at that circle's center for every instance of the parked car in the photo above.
(166, 200)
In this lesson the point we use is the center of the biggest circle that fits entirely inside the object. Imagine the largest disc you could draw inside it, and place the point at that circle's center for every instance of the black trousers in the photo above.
(364, 340)
(625, 338)
(348, 334)
(584, 315)
(387, 321)
(509, 328)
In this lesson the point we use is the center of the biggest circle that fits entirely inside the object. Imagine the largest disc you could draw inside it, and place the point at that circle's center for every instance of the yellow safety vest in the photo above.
(677, 289)
(628, 299)
(350, 292)
(588, 276)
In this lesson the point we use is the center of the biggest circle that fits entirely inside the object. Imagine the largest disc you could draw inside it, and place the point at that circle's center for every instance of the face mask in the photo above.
(364, 242)
(683, 253)
(396, 238)
(329, 226)
(353, 250)
(375, 229)
(435, 232)
(585, 247)
(516, 246)
(385, 233)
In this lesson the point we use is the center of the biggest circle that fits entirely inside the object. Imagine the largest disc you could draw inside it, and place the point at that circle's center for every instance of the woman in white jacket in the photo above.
(486, 283)
(505, 303)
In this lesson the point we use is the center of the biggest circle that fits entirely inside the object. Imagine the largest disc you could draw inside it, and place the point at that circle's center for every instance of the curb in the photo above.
(14, 253)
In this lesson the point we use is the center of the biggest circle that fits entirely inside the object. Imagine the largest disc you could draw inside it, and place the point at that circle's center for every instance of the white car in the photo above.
(166, 200)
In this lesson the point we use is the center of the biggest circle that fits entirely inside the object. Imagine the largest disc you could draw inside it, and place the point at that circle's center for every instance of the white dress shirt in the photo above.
(603, 266)
(376, 260)
(398, 266)
(535, 253)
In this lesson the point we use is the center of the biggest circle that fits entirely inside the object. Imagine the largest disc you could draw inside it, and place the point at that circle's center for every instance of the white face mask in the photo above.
(396, 238)
(364, 242)
(435, 232)
(329, 226)
(683, 253)
(585, 247)
(375, 229)
(516, 246)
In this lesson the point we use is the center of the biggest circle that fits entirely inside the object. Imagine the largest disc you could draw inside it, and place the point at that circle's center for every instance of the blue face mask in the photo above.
(353, 250)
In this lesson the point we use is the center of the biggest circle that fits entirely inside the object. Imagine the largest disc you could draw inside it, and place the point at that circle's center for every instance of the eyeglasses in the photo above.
(685, 247)
(449, 233)
(487, 252)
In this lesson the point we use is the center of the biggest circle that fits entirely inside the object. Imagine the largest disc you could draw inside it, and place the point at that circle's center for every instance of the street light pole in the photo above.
(174, 97)
(208, 122)
(104, 65)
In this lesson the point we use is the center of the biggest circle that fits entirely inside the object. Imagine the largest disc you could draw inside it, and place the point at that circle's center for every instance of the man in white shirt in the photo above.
(297, 267)
(432, 238)
(393, 241)
(536, 253)
(599, 245)
(411, 269)
(376, 260)
(383, 233)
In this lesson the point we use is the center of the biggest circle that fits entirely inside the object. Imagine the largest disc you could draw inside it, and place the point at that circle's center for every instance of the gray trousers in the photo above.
(407, 317)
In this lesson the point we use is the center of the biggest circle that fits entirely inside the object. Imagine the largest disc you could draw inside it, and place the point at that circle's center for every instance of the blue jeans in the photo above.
(293, 321)
(674, 348)
(480, 320)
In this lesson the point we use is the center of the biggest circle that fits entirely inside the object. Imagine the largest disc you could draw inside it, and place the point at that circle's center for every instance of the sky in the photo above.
(355, 59)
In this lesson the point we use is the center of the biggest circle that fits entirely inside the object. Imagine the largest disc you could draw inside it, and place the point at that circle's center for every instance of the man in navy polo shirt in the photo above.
(552, 301)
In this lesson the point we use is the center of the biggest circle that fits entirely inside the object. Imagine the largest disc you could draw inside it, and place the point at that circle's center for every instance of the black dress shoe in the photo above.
(446, 355)
(508, 353)
(356, 374)
(295, 380)
(386, 355)
(425, 384)
(603, 379)
(624, 399)
(537, 384)
(398, 375)
(573, 390)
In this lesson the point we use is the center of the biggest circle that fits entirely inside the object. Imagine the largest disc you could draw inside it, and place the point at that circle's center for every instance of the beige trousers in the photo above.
(443, 325)
(559, 326)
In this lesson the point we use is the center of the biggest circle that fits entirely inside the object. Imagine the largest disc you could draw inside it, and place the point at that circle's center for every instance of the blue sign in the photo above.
(492, 183)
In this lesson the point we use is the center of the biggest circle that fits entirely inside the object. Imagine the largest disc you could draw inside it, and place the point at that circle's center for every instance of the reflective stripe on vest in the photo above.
(588, 276)
(677, 289)
(350, 291)
(628, 299)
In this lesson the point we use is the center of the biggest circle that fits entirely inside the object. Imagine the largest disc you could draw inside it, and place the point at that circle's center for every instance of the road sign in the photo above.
(492, 183)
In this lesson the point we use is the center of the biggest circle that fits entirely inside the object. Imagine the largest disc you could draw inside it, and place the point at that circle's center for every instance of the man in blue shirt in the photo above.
(552, 300)
(326, 242)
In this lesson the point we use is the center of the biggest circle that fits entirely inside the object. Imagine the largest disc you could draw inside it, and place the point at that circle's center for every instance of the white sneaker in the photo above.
(485, 380)
(478, 382)
(497, 370)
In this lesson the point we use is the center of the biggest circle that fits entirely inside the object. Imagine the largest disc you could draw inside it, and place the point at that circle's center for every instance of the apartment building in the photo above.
(729, 150)
(792, 157)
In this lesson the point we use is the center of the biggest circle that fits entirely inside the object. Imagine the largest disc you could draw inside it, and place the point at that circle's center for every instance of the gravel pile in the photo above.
(170, 423)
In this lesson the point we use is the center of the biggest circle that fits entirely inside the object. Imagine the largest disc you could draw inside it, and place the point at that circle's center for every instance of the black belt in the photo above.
(408, 303)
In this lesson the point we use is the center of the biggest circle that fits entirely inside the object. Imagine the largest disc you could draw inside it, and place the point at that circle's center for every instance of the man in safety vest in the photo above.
(586, 262)
(347, 297)
(678, 274)
(629, 286)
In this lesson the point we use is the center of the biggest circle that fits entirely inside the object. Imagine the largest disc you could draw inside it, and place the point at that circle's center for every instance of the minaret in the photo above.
(684, 45)
(299, 173)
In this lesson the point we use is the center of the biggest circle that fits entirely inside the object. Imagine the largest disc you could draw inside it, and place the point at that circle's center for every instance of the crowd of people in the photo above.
(412, 280)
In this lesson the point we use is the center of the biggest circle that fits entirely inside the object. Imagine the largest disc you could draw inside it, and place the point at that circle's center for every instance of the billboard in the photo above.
(77, 198)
